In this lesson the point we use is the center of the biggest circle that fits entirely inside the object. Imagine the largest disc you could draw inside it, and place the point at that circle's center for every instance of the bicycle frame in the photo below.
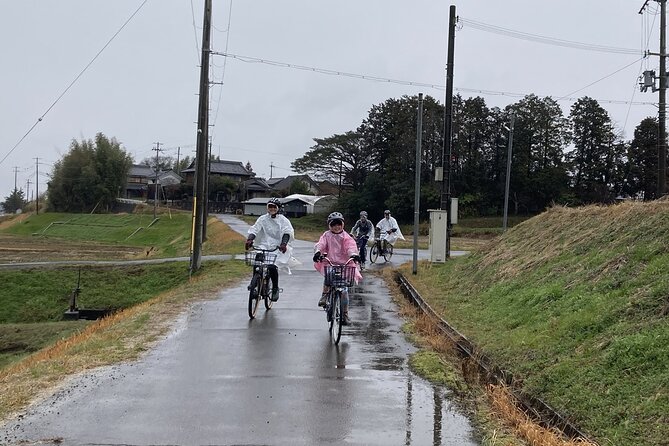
(339, 278)
(260, 260)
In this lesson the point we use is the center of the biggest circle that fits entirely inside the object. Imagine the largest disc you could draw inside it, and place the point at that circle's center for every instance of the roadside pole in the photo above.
(416, 198)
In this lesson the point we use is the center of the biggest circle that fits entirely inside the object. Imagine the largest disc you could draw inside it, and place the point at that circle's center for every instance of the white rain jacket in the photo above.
(385, 225)
(269, 231)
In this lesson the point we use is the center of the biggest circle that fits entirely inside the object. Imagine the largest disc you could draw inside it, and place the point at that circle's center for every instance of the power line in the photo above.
(225, 60)
(601, 79)
(74, 81)
(546, 40)
(249, 59)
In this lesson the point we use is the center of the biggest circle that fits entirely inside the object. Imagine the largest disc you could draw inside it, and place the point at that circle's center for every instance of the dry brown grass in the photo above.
(504, 404)
(222, 239)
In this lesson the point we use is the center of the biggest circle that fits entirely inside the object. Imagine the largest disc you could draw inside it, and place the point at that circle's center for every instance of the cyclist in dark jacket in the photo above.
(362, 230)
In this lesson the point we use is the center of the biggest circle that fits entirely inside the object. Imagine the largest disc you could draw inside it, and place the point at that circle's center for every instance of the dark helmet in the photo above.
(275, 201)
(363, 213)
(335, 216)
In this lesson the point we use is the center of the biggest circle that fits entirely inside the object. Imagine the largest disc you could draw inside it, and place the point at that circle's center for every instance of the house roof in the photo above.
(141, 170)
(285, 183)
(234, 168)
(256, 184)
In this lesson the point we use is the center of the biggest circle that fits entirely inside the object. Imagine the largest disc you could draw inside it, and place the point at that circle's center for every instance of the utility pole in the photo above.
(508, 172)
(649, 81)
(36, 186)
(155, 181)
(16, 171)
(416, 197)
(28, 190)
(178, 153)
(447, 148)
(206, 195)
(271, 170)
(202, 139)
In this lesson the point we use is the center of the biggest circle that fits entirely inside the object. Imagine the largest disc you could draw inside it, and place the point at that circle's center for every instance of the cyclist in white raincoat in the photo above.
(389, 230)
(273, 230)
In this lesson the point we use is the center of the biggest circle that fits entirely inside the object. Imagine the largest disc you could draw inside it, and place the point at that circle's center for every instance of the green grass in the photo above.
(40, 295)
(170, 234)
(573, 302)
(34, 300)
(19, 340)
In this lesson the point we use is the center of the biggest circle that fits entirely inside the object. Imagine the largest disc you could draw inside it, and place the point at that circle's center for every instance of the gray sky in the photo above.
(143, 87)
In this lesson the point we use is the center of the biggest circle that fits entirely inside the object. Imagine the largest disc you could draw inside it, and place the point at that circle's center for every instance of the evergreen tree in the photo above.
(14, 201)
(641, 176)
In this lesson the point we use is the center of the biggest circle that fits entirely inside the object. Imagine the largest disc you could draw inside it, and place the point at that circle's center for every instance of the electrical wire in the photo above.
(249, 59)
(197, 43)
(545, 40)
(601, 79)
(74, 81)
(225, 60)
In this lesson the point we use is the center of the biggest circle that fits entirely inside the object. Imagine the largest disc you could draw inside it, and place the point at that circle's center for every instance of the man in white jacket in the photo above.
(389, 230)
(270, 231)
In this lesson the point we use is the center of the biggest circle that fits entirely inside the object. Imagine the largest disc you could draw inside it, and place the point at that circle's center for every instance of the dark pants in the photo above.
(273, 275)
(362, 244)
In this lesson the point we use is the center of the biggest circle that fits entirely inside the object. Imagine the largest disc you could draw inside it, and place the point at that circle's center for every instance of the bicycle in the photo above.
(361, 241)
(377, 249)
(339, 278)
(259, 287)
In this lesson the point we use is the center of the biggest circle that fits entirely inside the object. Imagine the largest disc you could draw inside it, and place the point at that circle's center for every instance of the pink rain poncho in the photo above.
(339, 248)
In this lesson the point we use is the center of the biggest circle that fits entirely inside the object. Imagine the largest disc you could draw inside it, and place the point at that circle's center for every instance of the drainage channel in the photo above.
(490, 373)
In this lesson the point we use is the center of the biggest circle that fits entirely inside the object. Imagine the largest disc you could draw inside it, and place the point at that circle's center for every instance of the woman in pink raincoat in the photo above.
(339, 247)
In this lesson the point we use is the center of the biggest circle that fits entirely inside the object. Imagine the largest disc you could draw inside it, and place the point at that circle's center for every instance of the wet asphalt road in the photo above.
(220, 379)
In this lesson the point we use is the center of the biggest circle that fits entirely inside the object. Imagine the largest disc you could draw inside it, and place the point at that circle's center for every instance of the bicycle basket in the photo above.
(340, 275)
(259, 258)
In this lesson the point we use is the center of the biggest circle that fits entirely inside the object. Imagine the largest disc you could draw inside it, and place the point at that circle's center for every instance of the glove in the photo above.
(318, 256)
(248, 244)
(356, 258)
(283, 247)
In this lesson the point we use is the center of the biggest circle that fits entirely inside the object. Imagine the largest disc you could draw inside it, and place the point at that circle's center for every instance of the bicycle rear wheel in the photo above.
(254, 295)
(337, 318)
(267, 293)
(374, 252)
(389, 252)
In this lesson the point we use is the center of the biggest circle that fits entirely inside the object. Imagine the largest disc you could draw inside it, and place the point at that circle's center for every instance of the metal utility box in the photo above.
(438, 228)
(439, 231)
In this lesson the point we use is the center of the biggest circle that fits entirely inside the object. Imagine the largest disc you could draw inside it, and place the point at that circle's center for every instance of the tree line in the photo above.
(573, 160)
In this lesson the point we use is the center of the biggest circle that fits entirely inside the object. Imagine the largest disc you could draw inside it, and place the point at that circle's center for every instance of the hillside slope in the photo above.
(575, 302)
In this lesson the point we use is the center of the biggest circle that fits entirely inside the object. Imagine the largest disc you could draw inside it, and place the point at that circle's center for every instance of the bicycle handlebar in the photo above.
(334, 264)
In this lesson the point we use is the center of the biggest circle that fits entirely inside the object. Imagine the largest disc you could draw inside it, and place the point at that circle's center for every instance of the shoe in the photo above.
(345, 320)
(321, 302)
(275, 295)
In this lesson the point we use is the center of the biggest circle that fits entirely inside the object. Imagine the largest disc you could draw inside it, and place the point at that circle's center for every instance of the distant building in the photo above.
(233, 170)
(295, 205)
(286, 186)
(141, 179)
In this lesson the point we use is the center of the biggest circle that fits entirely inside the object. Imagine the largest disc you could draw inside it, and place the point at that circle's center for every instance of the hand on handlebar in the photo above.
(318, 256)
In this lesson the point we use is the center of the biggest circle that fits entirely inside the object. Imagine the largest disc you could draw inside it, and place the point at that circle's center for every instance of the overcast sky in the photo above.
(142, 88)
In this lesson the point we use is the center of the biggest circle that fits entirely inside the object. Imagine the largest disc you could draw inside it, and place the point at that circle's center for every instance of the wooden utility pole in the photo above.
(662, 114)
(649, 81)
(447, 149)
(36, 186)
(202, 140)
(155, 181)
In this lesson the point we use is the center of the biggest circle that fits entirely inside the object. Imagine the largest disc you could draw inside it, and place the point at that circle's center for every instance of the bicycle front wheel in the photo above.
(267, 293)
(374, 252)
(254, 295)
(337, 318)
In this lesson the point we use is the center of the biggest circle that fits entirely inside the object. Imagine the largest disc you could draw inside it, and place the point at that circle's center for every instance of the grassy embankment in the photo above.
(574, 302)
(37, 348)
